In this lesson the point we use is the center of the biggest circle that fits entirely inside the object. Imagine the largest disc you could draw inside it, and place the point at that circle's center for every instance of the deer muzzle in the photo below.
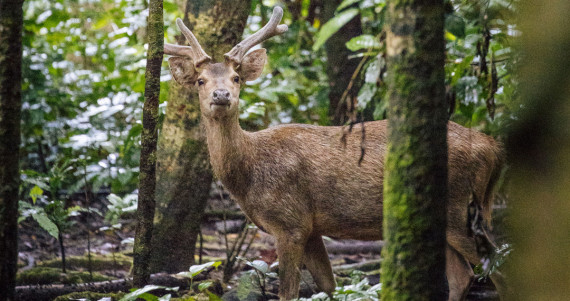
(221, 97)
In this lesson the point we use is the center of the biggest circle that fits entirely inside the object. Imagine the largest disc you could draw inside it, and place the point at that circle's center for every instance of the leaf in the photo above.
(46, 223)
(345, 4)
(333, 25)
(213, 297)
(166, 297)
(35, 193)
(204, 285)
(197, 269)
(364, 41)
(259, 265)
(132, 296)
(373, 71)
(366, 94)
(455, 25)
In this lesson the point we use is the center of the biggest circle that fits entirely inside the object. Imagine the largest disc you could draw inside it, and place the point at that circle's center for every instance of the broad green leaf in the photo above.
(46, 223)
(333, 25)
(364, 41)
(259, 265)
(35, 193)
(132, 296)
(197, 269)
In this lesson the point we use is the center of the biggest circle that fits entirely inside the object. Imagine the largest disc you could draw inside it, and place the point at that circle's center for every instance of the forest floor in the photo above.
(112, 250)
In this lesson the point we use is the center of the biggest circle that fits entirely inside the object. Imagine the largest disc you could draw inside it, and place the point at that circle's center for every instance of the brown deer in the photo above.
(299, 182)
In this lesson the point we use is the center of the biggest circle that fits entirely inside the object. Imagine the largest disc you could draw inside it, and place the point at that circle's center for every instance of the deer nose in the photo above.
(221, 97)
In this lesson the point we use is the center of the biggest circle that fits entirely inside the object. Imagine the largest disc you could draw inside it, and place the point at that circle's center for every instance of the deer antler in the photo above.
(271, 29)
(194, 51)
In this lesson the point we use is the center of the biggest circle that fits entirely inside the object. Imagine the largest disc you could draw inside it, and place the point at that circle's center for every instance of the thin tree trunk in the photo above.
(539, 154)
(11, 21)
(62, 250)
(339, 67)
(415, 186)
(184, 174)
(147, 178)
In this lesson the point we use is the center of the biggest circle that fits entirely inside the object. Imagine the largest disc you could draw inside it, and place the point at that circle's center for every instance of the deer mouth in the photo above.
(219, 105)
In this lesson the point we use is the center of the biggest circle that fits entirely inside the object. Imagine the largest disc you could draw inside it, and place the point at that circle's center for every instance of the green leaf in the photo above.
(259, 265)
(213, 297)
(35, 193)
(373, 71)
(166, 297)
(366, 94)
(364, 41)
(197, 269)
(204, 285)
(333, 25)
(345, 4)
(132, 296)
(46, 223)
(455, 25)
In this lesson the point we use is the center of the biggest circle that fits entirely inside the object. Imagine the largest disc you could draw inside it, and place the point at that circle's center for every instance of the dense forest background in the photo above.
(82, 94)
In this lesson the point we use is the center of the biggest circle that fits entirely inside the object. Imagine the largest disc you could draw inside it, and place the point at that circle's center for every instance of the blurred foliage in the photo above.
(84, 65)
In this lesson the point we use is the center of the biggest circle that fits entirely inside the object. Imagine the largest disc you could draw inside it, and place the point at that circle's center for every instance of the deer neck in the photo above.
(230, 151)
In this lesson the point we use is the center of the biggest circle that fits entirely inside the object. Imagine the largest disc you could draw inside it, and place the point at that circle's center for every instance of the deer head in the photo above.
(218, 84)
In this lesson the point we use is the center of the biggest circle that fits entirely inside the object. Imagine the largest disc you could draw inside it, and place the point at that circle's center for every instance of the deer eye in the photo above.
(236, 79)
(200, 82)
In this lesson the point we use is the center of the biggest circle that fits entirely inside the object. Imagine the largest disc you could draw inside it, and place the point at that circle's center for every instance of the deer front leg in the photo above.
(459, 274)
(290, 251)
(317, 261)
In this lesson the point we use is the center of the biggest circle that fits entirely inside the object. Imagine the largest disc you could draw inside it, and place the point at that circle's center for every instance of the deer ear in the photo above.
(183, 71)
(252, 64)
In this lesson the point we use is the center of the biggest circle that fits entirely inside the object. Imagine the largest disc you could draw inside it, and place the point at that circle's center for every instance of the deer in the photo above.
(301, 182)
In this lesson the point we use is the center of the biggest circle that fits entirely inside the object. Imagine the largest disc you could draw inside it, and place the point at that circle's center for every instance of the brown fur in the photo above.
(299, 182)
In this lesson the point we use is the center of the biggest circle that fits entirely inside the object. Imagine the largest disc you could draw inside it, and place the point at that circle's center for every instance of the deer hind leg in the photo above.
(317, 261)
(459, 274)
(290, 251)
(467, 247)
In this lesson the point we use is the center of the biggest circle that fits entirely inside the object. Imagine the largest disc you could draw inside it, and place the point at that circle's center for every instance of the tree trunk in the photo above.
(11, 21)
(147, 178)
(339, 67)
(415, 185)
(539, 153)
(184, 174)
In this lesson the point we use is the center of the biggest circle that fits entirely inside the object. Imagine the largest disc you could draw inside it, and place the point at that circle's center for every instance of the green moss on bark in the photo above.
(147, 179)
(415, 187)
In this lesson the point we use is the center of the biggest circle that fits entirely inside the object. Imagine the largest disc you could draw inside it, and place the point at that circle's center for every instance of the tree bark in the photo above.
(415, 185)
(147, 177)
(184, 174)
(539, 154)
(11, 20)
(339, 67)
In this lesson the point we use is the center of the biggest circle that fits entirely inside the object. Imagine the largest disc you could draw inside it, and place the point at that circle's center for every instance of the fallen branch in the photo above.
(50, 292)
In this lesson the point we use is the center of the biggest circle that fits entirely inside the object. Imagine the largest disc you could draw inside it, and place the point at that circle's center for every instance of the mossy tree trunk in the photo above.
(11, 21)
(184, 174)
(147, 178)
(339, 67)
(415, 185)
(538, 146)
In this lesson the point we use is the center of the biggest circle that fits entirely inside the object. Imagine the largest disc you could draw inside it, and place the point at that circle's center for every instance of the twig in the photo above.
(88, 201)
